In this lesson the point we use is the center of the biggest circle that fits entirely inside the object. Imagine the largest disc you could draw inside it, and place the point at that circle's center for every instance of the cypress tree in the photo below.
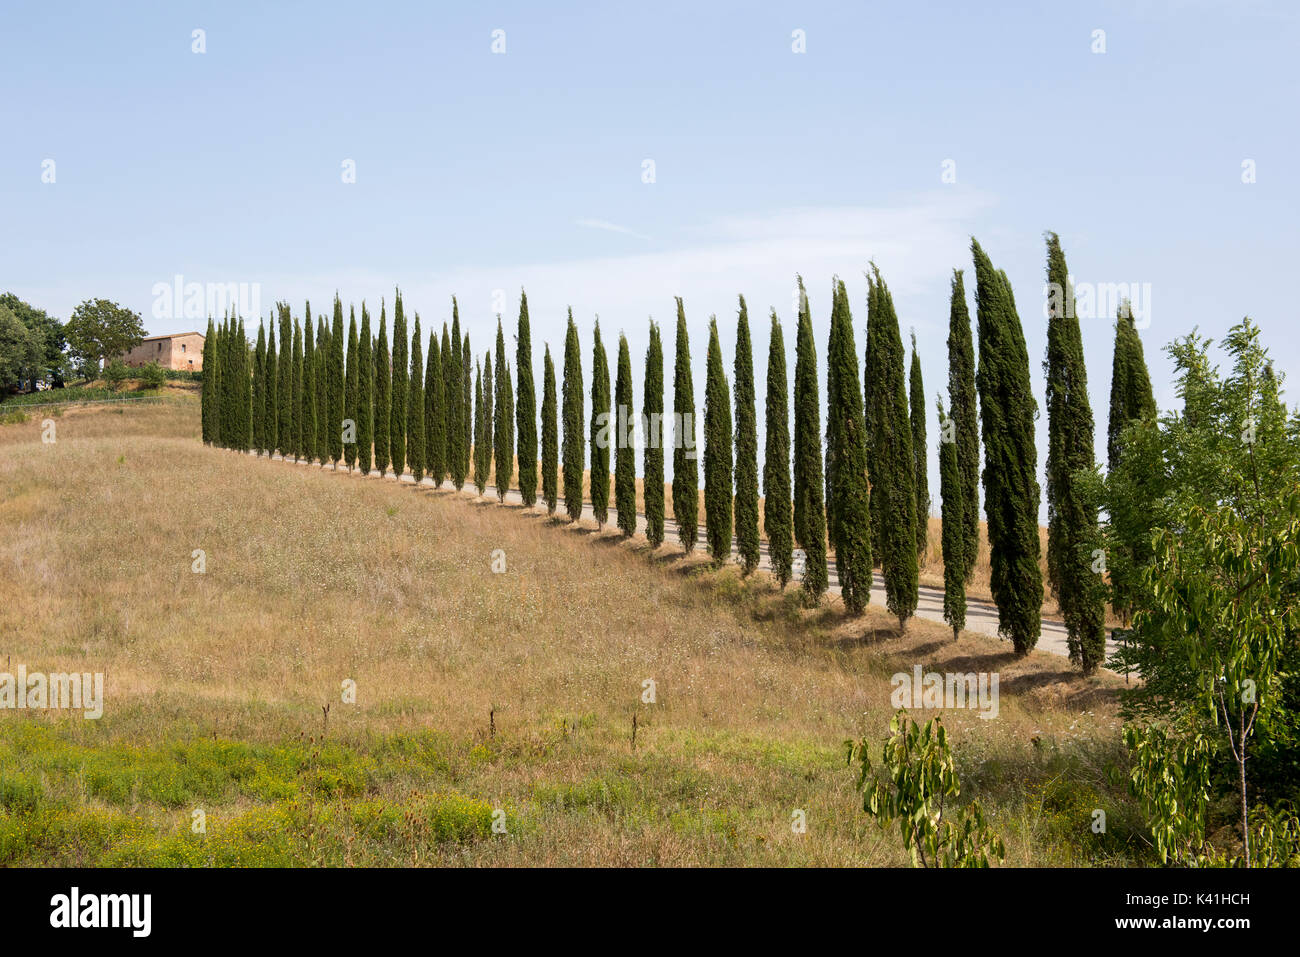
(455, 396)
(809, 508)
(271, 411)
(895, 487)
(916, 395)
(574, 453)
(323, 427)
(383, 397)
(259, 388)
(225, 375)
(435, 412)
(599, 423)
(652, 484)
(526, 407)
(1131, 396)
(746, 505)
(245, 393)
(718, 499)
(415, 409)
(467, 420)
(309, 409)
(365, 394)
(871, 402)
(284, 388)
(209, 404)
(952, 492)
(964, 411)
(848, 522)
(1071, 513)
(337, 384)
(777, 520)
(1011, 492)
(686, 485)
(503, 429)
(483, 422)
(623, 426)
(298, 402)
(550, 435)
(351, 388)
(397, 430)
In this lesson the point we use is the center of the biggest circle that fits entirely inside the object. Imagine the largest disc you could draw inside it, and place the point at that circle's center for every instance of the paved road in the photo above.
(981, 616)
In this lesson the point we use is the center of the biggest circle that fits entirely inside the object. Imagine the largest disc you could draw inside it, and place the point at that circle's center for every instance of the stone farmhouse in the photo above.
(182, 350)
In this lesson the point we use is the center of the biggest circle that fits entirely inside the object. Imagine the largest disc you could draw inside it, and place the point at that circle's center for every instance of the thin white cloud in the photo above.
(609, 227)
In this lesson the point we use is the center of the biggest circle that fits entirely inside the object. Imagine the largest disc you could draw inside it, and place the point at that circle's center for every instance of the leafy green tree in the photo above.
(717, 452)
(623, 426)
(572, 411)
(99, 330)
(38, 355)
(777, 520)
(1011, 492)
(210, 404)
(916, 396)
(1072, 531)
(848, 519)
(19, 350)
(415, 408)
(351, 389)
(599, 429)
(526, 408)
(952, 493)
(435, 411)
(383, 397)
(365, 394)
(809, 507)
(686, 483)
(746, 504)
(400, 386)
(550, 435)
(503, 430)
(653, 410)
(965, 416)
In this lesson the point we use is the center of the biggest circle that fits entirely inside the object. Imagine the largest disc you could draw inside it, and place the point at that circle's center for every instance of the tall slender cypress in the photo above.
(809, 507)
(298, 400)
(952, 492)
(894, 464)
(435, 411)
(550, 435)
(365, 394)
(848, 522)
(503, 429)
(686, 482)
(599, 429)
(777, 519)
(246, 392)
(574, 453)
(271, 411)
(455, 396)
(210, 403)
(323, 427)
(309, 408)
(351, 390)
(746, 478)
(336, 385)
(483, 423)
(415, 410)
(383, 397)
(718, 488)
(964, 410)
(1011, 492)
(525, 407)
(1071, 512)
(652, 405)
(259, 388)
(916, 397)
(401, 381)
(623, 432)
(284, 388)
(467, 420)
(1131, 396)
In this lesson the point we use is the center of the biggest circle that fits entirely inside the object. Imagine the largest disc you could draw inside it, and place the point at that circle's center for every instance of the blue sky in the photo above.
(478, 172)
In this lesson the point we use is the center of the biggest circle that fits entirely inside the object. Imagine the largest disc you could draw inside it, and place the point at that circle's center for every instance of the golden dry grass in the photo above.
(313, 577)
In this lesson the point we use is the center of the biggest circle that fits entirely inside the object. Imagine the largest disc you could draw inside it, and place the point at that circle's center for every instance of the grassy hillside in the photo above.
(216, 682)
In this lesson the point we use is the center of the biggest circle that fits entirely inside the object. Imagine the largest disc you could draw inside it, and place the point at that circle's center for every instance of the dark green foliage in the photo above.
(623, 428)
(526, 407)
(916, 396)
(847, 490)
(244, 435)
(383, 396)
(574, 453)
(284, 388)
(717, 452)
(746, 478)
(483, 423)
(467, 423)
(298, 400)
(550, 435)
(503, 429)
(323, 427)
(600, 430)
(1072, 531)
(365, 395)
(686, 484)
(1130, 385)
(1011, 492)
(435, 411)
(415, 409)
(270, 411)
(351, 386)
(210, 404)
(964, 410)
(952, 492)
(309, 410)
(400, 388)
(259, 388)
(454, 395)
(777, 519)
(335, 385)
(894, 464)
(809, 507)
(652, 484)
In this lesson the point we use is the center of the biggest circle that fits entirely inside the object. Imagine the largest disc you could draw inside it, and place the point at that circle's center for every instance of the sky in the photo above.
(898, 133)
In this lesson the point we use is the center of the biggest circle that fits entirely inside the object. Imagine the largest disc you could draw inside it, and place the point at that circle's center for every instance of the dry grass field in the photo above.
(216, 682)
